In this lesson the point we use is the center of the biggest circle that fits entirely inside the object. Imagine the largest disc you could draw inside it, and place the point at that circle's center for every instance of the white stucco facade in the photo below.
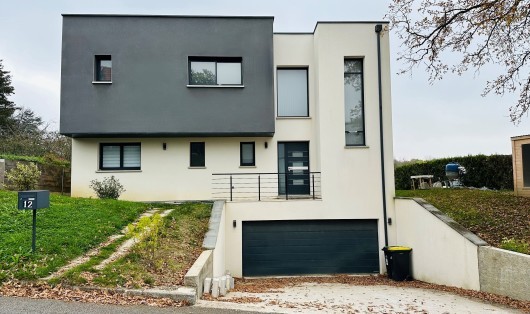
(351, 186)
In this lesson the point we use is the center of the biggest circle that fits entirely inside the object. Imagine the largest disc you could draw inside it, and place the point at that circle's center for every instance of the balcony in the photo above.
(295, 184)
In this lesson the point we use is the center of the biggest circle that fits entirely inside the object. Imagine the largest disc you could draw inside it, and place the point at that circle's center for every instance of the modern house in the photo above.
(521, 165)
(293, 130)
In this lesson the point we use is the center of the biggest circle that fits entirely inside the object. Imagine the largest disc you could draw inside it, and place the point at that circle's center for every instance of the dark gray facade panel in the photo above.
(149, 93)
(307, 247)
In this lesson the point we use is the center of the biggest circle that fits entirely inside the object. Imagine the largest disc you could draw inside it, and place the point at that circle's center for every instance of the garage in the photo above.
(304, 247)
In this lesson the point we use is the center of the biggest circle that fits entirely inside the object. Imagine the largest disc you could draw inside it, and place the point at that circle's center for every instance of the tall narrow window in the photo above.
(119, 156)
(197, 154)
(526, 164)
(354, 102)
(247, 154)
(215, 71)
(103, 69)
(292, 92)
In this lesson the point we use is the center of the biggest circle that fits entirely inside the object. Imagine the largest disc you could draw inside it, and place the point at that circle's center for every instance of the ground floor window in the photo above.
(247, 154)
(120, 156)
(197, 158)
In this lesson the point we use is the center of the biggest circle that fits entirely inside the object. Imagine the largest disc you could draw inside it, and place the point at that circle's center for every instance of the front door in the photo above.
(293, 168)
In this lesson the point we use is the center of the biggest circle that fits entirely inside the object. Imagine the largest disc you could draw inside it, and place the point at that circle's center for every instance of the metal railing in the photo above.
(266, 185)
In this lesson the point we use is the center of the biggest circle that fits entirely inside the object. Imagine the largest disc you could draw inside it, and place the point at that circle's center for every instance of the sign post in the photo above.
(33, 200)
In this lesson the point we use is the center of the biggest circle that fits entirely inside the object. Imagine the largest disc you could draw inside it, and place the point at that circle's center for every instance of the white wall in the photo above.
(165, 174)
(440, 254)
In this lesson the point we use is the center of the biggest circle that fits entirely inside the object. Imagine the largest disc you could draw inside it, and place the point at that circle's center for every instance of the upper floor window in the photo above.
(247, 154)
(292, 92)
(119, 156)
(354, 102)
(215, 71)
(103, 68)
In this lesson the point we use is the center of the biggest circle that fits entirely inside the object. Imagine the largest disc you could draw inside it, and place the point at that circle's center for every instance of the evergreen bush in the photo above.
(493, 172)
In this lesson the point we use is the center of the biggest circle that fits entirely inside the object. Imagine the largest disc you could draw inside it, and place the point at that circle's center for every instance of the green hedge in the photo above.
(494, 172)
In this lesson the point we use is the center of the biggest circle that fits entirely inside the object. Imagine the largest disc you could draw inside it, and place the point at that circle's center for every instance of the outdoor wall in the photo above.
(504, 272)
(518, 164)
(289, 210)
(149, 93)
(443, 252)
(166, 175)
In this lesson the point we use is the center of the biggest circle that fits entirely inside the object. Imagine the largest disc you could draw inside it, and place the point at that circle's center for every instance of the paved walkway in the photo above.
(343, 298)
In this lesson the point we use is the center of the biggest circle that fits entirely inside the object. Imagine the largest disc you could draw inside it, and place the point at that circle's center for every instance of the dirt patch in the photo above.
(45, 291)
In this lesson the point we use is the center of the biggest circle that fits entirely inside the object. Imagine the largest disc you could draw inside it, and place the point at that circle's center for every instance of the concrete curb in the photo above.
(185, 294)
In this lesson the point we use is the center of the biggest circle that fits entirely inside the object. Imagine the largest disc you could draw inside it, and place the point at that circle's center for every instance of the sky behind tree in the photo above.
(448, 118)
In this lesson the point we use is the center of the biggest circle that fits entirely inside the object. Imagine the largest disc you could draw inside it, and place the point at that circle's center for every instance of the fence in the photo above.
(266, 185)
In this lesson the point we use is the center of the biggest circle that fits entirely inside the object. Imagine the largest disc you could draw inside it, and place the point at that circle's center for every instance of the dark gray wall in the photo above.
(148, 95)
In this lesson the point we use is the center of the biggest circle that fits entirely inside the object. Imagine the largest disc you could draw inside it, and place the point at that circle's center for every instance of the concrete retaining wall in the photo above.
(202, 268)
(211, 263)
(219, 264)
(504, 272)
(444, 252)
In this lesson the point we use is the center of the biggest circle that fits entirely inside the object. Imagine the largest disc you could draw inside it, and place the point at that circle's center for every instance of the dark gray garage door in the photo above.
(298, 247)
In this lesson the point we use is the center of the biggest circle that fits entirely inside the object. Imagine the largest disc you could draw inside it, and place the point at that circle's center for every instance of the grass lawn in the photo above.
(160, 259)
(69, 228)
(500, 218)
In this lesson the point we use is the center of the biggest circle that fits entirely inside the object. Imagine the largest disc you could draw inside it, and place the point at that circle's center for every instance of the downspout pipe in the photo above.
(378, 29)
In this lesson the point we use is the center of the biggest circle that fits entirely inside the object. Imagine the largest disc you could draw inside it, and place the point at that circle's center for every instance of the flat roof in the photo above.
(520, 137)
(227, 17)
(171, 16)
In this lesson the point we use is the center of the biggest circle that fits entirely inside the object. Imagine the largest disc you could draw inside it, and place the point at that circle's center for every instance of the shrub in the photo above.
(494, 172)
(109, 188)
(147, 232)
(24, 177)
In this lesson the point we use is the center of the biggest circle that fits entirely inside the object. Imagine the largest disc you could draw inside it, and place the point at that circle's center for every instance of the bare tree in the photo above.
(480, 32)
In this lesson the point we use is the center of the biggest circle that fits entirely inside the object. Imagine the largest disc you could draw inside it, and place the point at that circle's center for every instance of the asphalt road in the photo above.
(10, 305)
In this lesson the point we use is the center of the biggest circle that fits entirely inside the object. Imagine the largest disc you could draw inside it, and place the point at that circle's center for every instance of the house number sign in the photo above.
(33, 200)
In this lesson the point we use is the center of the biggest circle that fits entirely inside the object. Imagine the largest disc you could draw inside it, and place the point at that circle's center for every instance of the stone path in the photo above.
(120, 251)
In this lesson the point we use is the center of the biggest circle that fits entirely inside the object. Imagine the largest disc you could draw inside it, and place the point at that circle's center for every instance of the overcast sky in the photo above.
(449, 118)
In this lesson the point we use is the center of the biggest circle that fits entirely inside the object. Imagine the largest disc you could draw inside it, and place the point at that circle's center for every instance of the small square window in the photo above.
(103, 69)
(197, 154)
(247, 154)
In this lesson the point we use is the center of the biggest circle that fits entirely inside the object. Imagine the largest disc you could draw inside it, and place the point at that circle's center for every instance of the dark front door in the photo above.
(293, 168)
(304, 247)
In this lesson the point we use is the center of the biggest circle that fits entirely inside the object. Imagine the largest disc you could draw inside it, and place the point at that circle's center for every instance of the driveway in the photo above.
(326, 297)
